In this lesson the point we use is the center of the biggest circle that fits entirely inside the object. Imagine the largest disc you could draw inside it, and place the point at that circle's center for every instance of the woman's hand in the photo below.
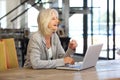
(73, 44)
(68, 60)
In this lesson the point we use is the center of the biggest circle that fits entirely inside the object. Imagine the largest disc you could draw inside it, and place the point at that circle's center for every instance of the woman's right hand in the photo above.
(68, 60)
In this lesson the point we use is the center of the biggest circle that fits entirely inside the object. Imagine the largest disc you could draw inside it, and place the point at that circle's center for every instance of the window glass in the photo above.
(2, 13)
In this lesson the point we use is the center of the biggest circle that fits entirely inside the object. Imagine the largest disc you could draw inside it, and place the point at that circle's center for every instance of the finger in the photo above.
(72, 62)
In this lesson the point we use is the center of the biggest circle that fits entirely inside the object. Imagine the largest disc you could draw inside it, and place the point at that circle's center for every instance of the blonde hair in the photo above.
(43, 20)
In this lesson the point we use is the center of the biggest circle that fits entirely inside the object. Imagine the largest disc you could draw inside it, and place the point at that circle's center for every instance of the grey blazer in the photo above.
(37, 53)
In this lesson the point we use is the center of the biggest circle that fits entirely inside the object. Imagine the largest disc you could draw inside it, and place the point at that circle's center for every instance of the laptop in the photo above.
(90, 59)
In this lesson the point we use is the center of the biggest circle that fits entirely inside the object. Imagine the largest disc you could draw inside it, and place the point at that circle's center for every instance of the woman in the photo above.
(44, 47)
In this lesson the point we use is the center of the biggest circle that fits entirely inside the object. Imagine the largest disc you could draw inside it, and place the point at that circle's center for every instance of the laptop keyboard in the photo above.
(75, 65)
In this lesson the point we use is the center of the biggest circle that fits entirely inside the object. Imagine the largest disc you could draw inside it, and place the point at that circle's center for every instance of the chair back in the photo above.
(9, 54)
(3, 64)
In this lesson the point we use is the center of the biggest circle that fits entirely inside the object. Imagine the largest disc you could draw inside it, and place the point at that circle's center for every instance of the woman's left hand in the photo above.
(73, 44)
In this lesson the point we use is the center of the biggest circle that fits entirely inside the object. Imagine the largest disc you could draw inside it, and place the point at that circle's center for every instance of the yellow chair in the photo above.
(9, 55)
(3, 64)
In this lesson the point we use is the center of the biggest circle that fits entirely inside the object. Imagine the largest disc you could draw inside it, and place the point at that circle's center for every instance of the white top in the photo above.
(50, 53)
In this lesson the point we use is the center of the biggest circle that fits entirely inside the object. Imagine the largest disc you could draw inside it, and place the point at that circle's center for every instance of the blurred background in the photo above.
(87, 21)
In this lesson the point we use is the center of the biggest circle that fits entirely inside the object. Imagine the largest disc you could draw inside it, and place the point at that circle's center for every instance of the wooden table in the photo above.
(104, 70)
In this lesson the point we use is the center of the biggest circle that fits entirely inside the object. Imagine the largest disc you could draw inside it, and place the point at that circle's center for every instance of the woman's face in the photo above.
(53, 24)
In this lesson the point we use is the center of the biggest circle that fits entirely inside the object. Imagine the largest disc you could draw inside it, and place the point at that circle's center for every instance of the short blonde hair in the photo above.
(43, 20)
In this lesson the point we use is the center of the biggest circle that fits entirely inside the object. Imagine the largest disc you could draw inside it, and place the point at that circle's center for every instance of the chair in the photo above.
(8, 54)
(3, 64)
